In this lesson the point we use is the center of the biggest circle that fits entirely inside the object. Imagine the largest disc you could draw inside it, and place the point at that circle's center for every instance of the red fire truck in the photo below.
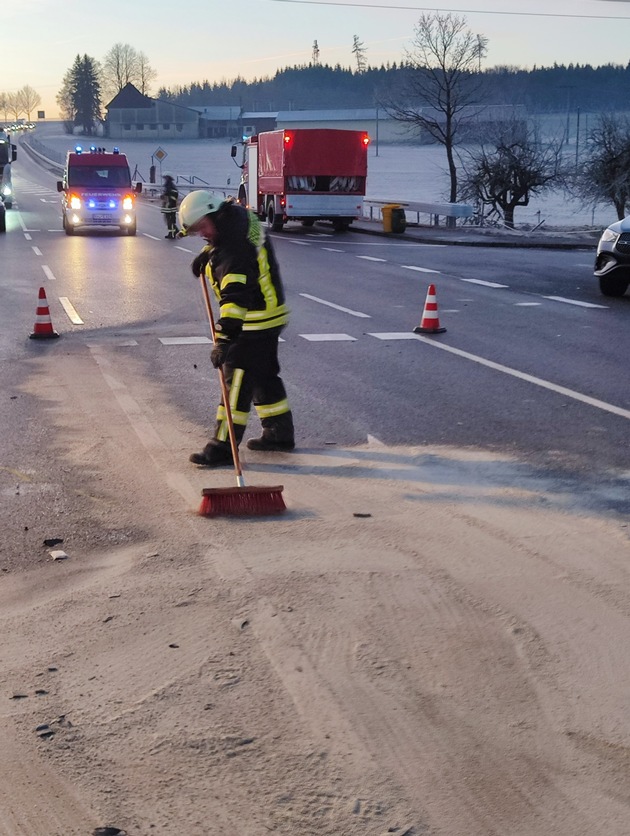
(305, 174)
(96, 191)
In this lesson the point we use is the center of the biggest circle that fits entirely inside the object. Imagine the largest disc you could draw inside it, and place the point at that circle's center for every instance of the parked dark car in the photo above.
(612, 262)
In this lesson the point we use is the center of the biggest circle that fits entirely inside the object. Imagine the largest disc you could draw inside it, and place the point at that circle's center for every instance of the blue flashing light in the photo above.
(116, 150)
(112, 204)
(93, 149)
(91, 204)
(78, 149)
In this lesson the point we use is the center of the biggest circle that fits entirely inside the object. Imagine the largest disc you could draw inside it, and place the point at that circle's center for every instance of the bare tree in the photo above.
(604, 176)
(514, 165)
(359, 51)
(30, 100)
(14, 105)
(120, 66)
(442, 87)
(146, 74)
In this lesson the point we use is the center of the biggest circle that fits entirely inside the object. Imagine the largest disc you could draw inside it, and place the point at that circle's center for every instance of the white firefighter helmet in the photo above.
(196, 205)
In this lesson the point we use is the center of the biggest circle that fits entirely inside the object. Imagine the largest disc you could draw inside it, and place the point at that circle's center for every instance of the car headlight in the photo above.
(608, 235)
(6, 189)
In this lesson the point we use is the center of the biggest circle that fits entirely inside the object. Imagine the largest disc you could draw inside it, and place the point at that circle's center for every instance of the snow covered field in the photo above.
(395, 172)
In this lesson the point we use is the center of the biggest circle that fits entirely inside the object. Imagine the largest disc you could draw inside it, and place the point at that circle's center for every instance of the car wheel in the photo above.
(3, 222)
(611, 286)
(131, 230)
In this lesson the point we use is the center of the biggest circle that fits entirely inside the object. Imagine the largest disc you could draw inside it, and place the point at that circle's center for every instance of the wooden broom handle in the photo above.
(224, 389)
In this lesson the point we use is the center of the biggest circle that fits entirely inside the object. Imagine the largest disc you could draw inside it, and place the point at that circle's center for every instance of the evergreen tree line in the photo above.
(541, 90)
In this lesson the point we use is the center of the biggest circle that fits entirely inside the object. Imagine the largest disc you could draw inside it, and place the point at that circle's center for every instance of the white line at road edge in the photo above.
(560, 390)
(336, 307)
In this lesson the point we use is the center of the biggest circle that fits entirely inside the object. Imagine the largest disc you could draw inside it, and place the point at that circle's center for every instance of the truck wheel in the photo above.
(274, 222)
(68, 228)
(610, 286)
(131, 230)
(341, 225)
(308, 221)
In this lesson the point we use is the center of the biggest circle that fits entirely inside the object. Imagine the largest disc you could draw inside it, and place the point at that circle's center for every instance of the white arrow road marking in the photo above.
(336, 307)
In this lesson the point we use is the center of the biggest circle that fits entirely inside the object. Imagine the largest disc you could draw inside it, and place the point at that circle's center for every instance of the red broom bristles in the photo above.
(255, 501)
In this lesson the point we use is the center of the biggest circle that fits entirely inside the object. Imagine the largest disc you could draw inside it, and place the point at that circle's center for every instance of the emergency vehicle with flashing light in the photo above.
(8, 155)
(96, 191)
(304, 174)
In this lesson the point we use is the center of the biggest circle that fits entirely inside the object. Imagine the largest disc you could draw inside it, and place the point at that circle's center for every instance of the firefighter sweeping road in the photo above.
(432, 631)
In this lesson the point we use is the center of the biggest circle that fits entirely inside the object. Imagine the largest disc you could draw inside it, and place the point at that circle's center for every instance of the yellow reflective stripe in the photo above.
(269, 410)
(263, 326)
(229, 309)
(278, 310)
(233, 278)
(238, 417)
(264, 280)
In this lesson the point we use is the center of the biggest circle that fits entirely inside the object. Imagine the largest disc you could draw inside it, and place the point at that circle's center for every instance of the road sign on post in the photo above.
(160, 155)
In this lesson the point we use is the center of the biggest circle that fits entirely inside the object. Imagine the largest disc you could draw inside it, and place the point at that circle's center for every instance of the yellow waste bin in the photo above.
(394, 219)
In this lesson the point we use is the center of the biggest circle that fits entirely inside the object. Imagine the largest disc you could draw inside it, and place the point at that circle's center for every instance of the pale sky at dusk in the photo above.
(214, 40)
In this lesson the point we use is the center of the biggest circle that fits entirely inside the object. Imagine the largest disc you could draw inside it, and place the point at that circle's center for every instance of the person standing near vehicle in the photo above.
(169, 205)
(241, 267)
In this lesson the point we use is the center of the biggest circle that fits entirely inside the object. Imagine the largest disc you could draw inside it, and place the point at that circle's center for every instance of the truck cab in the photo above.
(96, 191)
(8, 155)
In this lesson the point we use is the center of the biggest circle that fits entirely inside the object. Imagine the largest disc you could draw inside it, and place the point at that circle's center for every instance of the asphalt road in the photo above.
(533, 361)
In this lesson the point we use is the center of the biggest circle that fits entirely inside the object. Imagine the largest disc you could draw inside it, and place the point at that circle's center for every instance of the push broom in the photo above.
(241, 500)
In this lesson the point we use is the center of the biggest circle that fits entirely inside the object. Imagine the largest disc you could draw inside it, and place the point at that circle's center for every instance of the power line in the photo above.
(456, 11)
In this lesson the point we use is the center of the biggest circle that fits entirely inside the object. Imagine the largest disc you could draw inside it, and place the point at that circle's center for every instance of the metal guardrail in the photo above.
(434, 210)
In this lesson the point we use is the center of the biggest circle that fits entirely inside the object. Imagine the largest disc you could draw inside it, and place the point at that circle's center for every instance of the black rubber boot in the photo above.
(214, 454)
(277, 435)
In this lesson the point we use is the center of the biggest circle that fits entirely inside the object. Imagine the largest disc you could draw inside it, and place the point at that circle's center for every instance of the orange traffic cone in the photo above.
(43, 330)
(430, 323)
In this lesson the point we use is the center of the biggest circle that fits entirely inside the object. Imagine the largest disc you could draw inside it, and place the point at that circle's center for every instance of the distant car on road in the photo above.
(612, 262)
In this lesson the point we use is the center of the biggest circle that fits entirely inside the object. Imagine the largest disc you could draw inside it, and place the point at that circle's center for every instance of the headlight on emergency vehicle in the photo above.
(127, 203)
(75, 202)
(6, 190)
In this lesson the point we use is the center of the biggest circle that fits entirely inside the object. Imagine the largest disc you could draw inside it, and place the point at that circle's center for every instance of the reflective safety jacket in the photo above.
(169, 195)
(244, 274)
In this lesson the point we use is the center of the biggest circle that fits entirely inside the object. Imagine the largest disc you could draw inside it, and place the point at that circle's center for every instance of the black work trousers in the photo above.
(252, 374)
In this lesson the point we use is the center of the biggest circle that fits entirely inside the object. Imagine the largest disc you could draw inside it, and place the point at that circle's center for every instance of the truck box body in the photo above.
(306, 174)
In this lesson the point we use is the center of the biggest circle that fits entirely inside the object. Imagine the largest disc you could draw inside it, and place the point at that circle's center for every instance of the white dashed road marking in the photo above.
(322, 338)
(370, 258)
(48, 273)
(69, 308)
(185, 340)
(574, 302)
(485, 284)
(336, 307)
(419, 269)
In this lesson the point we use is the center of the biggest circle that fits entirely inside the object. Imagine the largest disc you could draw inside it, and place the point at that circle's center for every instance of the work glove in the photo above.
(199, 262)
(219, 353)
